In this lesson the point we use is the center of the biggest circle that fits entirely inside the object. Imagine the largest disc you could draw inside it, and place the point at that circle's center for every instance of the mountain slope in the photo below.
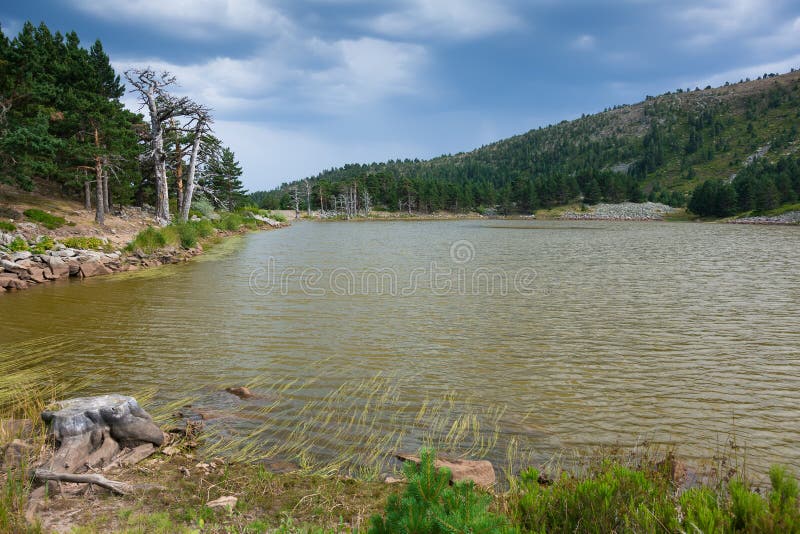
(662, 147)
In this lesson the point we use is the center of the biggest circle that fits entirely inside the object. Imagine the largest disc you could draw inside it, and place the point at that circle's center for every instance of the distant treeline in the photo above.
(762, 186)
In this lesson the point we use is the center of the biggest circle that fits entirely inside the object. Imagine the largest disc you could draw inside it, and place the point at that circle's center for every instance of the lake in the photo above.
(485, 338)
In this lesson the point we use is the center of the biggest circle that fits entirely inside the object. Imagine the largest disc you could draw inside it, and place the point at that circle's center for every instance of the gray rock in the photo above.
(63, 252)
(22, 255)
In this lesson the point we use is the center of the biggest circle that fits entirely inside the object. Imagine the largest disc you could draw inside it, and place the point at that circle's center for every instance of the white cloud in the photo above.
(199, 19)
(584, 42)
(740, 73)
(333, 78)
(713, 21)
(456, 19)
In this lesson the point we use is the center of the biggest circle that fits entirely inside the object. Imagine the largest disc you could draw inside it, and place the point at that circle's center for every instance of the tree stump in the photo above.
(90, 431)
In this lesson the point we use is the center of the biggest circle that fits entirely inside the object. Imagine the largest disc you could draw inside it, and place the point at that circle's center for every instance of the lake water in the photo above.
(477, 336)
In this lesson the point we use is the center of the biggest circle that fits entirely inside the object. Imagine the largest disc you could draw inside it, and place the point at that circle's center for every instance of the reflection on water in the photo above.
(678, 333)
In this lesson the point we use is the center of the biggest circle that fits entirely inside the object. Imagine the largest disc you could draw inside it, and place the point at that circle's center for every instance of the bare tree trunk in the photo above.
(87, 194)
(296, 199)
(308, 198)
(106, 194)
(159, 160)
(187, 200)
(99, 214)
(178, 169)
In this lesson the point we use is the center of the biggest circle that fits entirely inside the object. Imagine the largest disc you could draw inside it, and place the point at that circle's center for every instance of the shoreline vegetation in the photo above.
(28, 257)
(182, 486)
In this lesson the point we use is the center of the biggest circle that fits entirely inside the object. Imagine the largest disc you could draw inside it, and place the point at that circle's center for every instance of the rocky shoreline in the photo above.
(788, 218)
(24, 269)
(626, 211)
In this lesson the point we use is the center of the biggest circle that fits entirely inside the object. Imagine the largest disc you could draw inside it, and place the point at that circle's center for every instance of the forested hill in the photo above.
(661, 149)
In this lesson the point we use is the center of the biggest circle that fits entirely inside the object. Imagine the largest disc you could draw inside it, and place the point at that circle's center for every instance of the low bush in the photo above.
(204, 228)
(429, 504)
(44, 244)
(6, 226)
(187, 234)
(148, 240)
(91, 243)
(229, 221)
(18, 245)
(48, 220)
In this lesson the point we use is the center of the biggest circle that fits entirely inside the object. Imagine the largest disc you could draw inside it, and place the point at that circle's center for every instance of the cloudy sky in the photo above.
(299, 86)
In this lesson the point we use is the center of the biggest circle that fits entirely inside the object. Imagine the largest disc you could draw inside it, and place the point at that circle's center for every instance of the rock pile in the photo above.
(626, 211)
(790, 217)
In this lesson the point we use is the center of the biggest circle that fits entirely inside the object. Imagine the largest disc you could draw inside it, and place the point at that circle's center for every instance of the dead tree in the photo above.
(201, 126)
(162, 106)
(296, 200)
(366, 202)
(308, 197)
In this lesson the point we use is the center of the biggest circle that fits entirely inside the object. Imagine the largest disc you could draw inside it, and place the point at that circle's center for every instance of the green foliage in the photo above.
(615, 499)
(6, 226)
(18, 244)
(86, 243)
(44, 244)
(204, 228)
(187, 233)
(229, 221)
(431, 505)
(48, 220)
(148, 240)
(202, 205)
(760, 187)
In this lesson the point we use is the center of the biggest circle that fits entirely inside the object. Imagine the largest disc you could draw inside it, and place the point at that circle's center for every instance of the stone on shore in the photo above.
(481, 472)
(93, 267)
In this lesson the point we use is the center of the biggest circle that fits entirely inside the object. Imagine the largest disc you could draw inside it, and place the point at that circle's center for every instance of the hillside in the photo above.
(661, 148)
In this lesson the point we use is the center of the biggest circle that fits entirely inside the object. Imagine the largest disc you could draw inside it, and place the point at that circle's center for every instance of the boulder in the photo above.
(21, 255)
(93, 267)
(12, 267)
(481, 472)
(74, 266)
(64, 253)
(91, 430)
(12, 281)
(58, 267)
(36, 274)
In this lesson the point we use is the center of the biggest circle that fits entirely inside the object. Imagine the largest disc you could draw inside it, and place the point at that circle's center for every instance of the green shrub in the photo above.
(6, 226)
(431, 505)
(46, 219)
(92, 243)
(18, 245)
(615, 499)
(229, 221)
(274, 216)
(187, 234)
(204, 228)
(203, 206)
(148, 240)
(44, 244)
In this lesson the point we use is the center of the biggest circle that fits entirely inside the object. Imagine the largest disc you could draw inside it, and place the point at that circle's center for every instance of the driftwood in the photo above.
(90, 431)
(99, 480)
